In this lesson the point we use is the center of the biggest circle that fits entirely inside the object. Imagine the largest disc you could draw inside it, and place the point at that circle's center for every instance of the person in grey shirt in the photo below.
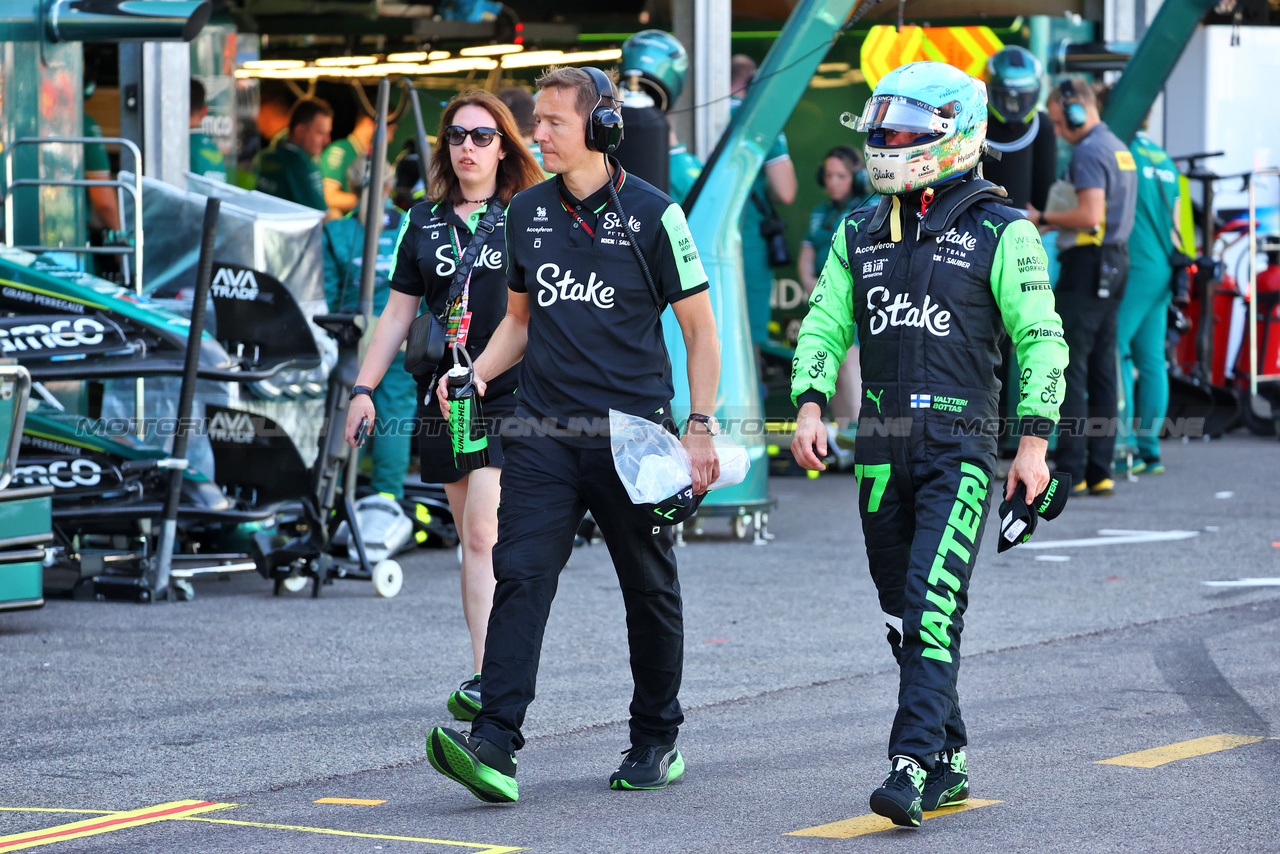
(1093, 242)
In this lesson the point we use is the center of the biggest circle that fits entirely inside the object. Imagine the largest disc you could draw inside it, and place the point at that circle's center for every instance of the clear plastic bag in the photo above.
(650, 460)
(653, 465)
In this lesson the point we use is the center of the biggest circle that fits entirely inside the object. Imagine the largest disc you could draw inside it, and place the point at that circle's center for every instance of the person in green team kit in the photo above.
(933, 276)
(395, 397)
(288, 168)
(1143, 318)
(206, 159)
(344, 163)
(843, 177)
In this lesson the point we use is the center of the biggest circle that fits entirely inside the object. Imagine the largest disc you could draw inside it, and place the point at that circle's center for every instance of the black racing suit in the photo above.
(931, 297)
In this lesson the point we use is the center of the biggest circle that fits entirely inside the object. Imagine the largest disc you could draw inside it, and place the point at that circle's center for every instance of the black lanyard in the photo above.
(573, 213)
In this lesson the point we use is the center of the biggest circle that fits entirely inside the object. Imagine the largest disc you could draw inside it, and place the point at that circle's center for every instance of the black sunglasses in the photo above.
(455, 134)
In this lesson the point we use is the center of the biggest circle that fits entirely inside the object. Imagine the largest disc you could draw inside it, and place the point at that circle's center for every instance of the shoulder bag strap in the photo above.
(484, 228)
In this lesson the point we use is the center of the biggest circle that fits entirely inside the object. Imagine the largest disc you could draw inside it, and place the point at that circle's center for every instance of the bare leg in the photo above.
(474, 502)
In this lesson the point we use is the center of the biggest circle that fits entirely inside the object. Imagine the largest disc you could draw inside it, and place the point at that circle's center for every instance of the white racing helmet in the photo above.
(931, 98)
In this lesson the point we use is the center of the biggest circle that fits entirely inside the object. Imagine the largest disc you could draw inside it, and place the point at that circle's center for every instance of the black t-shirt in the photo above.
(595, 336)
(431, 238)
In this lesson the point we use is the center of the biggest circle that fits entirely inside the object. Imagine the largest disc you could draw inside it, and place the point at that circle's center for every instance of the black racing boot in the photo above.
(899, 798)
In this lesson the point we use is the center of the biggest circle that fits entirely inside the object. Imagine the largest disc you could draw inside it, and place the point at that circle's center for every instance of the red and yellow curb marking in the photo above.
(107, 823)
(864, 824)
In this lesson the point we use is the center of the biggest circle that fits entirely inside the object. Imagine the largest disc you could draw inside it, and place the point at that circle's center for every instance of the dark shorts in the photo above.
(435, 448)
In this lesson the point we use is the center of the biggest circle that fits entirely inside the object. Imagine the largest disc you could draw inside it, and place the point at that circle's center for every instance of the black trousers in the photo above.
(923, 513)
(1088, 416)
(547, 487)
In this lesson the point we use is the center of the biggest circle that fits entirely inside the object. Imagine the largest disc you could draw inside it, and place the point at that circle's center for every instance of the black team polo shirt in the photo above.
(595, 335)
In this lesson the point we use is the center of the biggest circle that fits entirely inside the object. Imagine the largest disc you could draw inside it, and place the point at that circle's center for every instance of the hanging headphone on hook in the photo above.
(604, 127)
(1073, 112)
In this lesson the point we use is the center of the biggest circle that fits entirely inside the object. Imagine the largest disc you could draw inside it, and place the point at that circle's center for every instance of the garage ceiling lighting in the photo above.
(556, 57)
(344, 61)
(491, 50)
(273, 64)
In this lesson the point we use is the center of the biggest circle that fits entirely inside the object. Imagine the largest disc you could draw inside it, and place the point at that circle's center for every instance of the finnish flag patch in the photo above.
(921, 401)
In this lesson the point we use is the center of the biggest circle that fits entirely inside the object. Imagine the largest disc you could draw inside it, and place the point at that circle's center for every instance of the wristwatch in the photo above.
(359, 389)
(708, 421)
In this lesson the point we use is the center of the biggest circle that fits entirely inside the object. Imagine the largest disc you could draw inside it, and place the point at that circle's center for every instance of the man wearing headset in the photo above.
(582, 316)
(1093, 241)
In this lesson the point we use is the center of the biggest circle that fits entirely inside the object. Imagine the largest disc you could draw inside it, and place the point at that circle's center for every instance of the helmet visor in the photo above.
(1014, 105)
(899, 113)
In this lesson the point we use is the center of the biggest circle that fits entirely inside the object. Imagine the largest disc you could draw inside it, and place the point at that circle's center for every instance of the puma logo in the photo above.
(995, 229)
(857, 222)
(875, 398)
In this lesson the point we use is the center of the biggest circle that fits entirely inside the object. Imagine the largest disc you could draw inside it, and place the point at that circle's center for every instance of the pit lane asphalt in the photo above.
(239, 697)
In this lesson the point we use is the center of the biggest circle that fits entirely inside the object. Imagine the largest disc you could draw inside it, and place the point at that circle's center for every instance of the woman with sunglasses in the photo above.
(479, 161)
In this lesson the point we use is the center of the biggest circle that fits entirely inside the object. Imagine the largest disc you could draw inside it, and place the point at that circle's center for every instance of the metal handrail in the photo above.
(21, 380)
(135, 189)
(1253, 281)
(121, 186)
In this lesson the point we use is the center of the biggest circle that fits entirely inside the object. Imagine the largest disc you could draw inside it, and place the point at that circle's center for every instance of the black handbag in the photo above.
(774, 231)
(424, 348)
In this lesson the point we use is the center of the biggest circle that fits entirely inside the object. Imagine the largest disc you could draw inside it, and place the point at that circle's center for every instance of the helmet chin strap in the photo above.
(1019, 143)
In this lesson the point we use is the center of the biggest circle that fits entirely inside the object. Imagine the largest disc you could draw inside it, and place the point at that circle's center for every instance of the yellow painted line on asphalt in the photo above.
(864, 824)
(105, 823)
(56, 809)
(357, 802)
(482, 848)
(1157, 756)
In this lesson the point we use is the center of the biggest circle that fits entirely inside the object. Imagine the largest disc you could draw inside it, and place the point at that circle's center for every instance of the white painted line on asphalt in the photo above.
(1245, 582)
(1224, 495)
(1054, 558)
(1115, 537)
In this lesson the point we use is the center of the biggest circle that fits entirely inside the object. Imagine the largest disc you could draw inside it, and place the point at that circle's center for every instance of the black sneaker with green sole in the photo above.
(947, 785)
(648, 766)
(482, 767)
(899, 798)
(464, 704)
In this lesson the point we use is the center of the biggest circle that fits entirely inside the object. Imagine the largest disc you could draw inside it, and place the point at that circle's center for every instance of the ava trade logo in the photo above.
(236, 427)
(234, 284)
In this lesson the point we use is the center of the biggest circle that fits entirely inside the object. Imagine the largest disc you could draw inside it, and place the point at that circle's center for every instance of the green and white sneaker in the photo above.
(482, 767)
(648, 766)
(947, 785)
(464, 704)
(899, 798)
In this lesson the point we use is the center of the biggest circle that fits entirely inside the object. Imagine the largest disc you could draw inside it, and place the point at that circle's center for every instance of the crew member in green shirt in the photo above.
(206, 159)
(1142, 322)
(288, 168)
(345, 163)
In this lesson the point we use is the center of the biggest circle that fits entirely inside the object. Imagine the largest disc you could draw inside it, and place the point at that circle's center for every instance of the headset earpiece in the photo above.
(604, 127)
(1073, 112)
